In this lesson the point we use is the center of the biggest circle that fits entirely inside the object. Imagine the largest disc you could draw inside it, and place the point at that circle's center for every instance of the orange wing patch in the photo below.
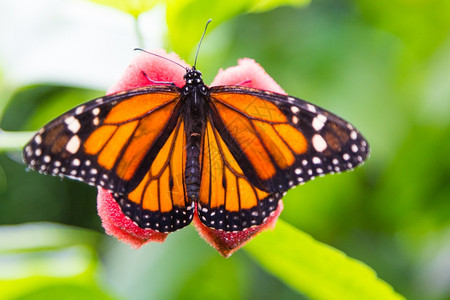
(246, 136)
(291, 136)
(143, 138)
(275, 145)
(98, 139)
(129, 131)
(252, 106)
(115, 144)
(137, 107)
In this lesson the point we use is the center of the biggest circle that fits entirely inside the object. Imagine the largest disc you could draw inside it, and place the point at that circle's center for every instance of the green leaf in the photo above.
(315, 269)
(265, 5)
(132, 7)
(186, 19)
(67, 291)
(49, 261)
(13, 140)
(421, 25)
(39, 236)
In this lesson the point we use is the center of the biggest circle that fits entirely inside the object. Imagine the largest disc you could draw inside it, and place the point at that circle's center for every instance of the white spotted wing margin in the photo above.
(333, 144)
(57, 148)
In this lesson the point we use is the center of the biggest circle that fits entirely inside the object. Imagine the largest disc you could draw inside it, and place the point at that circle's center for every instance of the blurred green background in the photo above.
(382, 65)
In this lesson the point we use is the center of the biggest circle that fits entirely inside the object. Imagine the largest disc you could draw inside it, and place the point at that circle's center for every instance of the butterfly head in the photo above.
(194, 82)
(193, 76)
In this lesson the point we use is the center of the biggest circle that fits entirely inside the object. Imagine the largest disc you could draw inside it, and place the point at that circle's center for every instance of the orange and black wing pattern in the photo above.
(159, 201)
(129, 143)
(261, 144)
(233, 151)
(228, 200)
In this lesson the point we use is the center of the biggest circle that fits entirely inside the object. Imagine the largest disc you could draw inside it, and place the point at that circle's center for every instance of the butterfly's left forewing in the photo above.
(281, 141)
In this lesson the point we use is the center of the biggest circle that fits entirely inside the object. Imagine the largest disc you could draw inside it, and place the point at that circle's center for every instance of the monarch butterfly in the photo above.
(230, 151)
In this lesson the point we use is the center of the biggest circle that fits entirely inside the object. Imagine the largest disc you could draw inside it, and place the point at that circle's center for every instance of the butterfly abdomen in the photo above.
(192, 171)
(194, 132)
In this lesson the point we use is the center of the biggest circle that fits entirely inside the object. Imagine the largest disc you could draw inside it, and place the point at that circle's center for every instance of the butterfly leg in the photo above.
(155, 81)
(244, 82)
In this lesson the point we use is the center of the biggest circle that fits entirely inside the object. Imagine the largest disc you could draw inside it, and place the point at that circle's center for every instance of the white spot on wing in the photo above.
(318, 122)
(311, 108)
(38, 139)
(319, 143)
(316, 160)
(295, 109)
(73, 145)
(69, 120)
(74, 126)
(80, 109)
(96, 111)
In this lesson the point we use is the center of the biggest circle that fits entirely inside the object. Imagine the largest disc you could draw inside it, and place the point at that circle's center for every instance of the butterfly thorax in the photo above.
(194, 111)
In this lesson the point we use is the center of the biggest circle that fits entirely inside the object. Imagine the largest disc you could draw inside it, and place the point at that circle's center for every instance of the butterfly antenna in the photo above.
(198, 48)
(160, 56)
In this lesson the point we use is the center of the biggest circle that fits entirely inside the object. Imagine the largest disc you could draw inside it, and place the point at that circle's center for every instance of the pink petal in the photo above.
(247, 73)
(120, 226)
(156, 68)
(226, 243)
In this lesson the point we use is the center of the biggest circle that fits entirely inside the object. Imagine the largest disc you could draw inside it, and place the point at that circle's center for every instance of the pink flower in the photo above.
(247, 73)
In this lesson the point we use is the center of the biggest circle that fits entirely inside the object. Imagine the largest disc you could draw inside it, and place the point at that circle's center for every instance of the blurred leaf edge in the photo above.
(307, 266)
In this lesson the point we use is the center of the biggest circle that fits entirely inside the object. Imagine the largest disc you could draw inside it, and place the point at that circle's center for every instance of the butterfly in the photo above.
(230, 151)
